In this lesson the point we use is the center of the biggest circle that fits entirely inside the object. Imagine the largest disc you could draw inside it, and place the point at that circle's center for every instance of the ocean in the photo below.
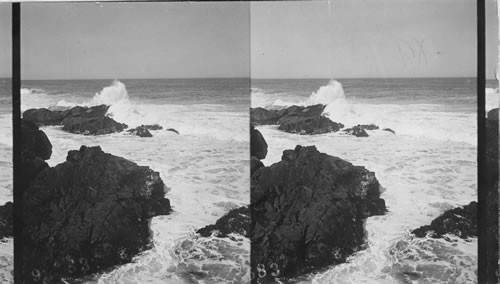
(427, 167)
(205, 167)
(6, 175)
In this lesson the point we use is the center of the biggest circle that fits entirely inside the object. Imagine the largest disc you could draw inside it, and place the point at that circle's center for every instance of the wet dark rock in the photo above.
(6, 220)
(87, 214)
(308, 212)
(140, 131)
(309, 125)
(172, 130)
(258, 145)
(152, 126)
(296, 119)
(79, 120)
(389, 130)
(236, 221)
(255, 164)
(35, 149)
(360, 130)
(460, 221)
(262, 116)
(490, 237)
(356, 131)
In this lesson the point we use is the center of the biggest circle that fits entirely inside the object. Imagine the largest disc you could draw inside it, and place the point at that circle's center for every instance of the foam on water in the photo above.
(417, 120)
(421, 178)
(206, 168)
(425, 169)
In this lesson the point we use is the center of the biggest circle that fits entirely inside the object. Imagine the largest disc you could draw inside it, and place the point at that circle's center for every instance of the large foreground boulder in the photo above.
(308, 212)
(87, 214)
(460, 221)
(79, 120)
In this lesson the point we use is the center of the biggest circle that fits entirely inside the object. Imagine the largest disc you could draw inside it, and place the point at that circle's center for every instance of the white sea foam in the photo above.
(417, 120)
(422, 178)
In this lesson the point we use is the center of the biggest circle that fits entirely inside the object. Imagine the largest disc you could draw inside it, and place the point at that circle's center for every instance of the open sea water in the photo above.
(429, 166)
(206, 166)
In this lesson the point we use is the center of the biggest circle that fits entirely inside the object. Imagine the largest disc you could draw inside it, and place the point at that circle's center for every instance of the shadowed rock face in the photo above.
(87, 214)
(296, 119)
(461, 221)
(79, 120)
(237, 221)
(308, 212)
(6, 220)
(258, 145)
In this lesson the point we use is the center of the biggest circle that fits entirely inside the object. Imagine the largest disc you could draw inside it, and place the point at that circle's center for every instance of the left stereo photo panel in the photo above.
(141, 168)
(6, 185)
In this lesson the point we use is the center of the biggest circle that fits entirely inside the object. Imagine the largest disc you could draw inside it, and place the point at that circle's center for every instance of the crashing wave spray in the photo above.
(332, 95)
(110, 95)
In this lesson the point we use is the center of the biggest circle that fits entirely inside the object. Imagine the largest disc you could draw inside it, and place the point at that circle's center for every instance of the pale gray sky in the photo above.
(5, 40)
(361, 38)
(365, 38)
(135, 40)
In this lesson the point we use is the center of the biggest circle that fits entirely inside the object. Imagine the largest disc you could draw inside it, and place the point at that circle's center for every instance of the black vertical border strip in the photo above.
(16, 123)
(484, 273)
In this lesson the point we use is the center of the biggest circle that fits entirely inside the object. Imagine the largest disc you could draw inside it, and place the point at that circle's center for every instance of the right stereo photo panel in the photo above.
(364, 140)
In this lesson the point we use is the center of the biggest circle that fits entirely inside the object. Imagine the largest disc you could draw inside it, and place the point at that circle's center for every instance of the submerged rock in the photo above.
(236, 221)
(172, 130)
(356, 131)
(460, 221)
(88, 214)
(308, 212)
(152, 126)
(79, 120)
(140, 131)
(389, 130)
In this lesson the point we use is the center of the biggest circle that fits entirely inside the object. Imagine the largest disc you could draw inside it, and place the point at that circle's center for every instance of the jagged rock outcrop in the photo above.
(236, 221)
(79, 120)
(87, 214)
(296, 119)
(460, 221)
(308, 212)
(140, 131)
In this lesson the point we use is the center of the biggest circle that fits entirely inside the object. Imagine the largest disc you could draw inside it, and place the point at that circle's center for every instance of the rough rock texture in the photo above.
(140, 131)
(309, 125)
(490, 238)
(152, 126)
(296, 119)
(235, 221)
(356, 131)
(360, 130)
(35, 149)
(308, 212)
(255, 164)
(460, 221)
(258, 145)
(87, 214)
(6, 220)
(80, 120)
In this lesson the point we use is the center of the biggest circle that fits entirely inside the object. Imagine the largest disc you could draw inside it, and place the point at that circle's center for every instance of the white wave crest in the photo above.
(492, 98)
